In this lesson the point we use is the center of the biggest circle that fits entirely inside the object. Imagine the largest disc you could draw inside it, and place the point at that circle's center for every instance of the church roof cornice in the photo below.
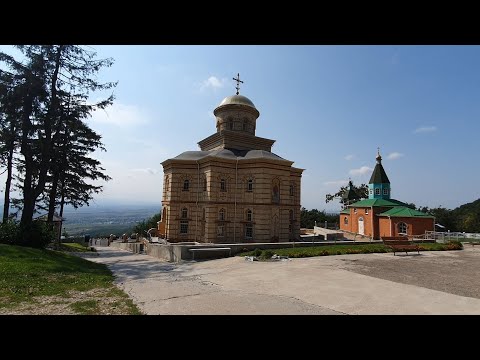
(235, 139)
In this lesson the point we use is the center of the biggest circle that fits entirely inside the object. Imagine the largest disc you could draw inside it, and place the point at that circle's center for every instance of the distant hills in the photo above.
(106, 217)
(467, 217)
(105, 220)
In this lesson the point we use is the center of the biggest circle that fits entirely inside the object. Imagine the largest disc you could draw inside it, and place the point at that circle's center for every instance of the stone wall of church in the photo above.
(245, 202)
(236, 121)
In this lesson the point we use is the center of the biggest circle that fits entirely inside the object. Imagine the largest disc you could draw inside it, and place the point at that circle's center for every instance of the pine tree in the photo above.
(54, 86)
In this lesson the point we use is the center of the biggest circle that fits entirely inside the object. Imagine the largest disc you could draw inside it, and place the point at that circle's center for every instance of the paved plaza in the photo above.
(440, 282)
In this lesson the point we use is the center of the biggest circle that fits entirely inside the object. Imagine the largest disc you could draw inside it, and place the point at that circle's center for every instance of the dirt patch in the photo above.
(449, 271)
(99, 301)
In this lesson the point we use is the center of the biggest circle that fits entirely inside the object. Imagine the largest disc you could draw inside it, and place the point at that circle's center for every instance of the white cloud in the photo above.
(425, 129)
(361, 171)
(121, 115)
(213, 82)
(394, 155)
(336, 183)
(147, 171)
(349, 157)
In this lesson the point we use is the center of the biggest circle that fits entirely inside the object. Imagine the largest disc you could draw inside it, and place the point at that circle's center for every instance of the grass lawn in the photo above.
(34, 281)
(73, 247)
(343, 249)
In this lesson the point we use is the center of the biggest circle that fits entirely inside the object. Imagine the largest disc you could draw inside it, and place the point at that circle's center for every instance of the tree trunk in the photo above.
(46, 161)
(53, 195)
(26, 150)
(62, 203)
(6, 204)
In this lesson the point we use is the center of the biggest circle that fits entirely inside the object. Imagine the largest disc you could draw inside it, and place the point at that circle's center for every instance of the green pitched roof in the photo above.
(404, 211)
(379, 176)
(377, 202)
(345, 211)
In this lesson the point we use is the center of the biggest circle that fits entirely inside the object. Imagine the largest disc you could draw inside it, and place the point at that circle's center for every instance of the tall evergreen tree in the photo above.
(9, 114)
(51, 76)
(32, 94)
(72, 165)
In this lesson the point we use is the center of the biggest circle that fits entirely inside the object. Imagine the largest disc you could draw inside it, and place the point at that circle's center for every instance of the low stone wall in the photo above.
(98, 242)
(171, 253)
(175, 252)
(328, 234)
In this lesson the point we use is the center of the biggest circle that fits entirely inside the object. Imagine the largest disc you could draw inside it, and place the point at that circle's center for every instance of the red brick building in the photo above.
(379, 215)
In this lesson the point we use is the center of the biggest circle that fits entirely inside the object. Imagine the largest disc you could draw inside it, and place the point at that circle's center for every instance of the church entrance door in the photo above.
(361, 228)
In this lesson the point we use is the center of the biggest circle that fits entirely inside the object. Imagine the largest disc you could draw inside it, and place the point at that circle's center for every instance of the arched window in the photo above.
(248, 231)
(402, 228)
(186, 184)
(221, 215)
(345, 220)
(291, 190)
(275, 193)
(184, 222)
(250, 185)
(204, 184)
(291, 215)
(204, 214)
(223, 185)
(249, 215)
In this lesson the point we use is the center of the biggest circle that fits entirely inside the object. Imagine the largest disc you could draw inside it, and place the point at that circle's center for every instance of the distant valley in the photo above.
(98, 220)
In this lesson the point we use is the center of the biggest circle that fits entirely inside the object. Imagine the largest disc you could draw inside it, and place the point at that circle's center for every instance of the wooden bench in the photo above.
(400, 243)
(193, 251)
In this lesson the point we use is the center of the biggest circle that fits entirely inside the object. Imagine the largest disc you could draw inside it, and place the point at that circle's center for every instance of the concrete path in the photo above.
(320, 285)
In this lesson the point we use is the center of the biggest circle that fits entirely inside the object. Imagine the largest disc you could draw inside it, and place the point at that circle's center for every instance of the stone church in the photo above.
(233, 190)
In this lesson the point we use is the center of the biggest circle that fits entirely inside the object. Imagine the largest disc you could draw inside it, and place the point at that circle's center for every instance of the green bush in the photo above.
(454, 245)
(267, 254)
(8, 232)
(257, 252)
(37, 235)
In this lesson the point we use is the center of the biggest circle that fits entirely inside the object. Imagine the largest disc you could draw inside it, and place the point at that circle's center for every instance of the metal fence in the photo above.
(442, 237)
(327, 225)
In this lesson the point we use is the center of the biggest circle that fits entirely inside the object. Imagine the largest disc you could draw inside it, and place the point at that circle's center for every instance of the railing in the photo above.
(442, 237)
(327, 225)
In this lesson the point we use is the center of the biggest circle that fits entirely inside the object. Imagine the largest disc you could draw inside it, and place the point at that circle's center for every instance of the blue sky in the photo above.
(327, 107)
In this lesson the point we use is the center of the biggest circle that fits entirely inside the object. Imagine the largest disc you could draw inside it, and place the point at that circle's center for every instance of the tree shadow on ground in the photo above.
(140, 266)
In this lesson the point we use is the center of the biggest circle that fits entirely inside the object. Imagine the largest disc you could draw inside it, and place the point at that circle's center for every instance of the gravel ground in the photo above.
(454, 272)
